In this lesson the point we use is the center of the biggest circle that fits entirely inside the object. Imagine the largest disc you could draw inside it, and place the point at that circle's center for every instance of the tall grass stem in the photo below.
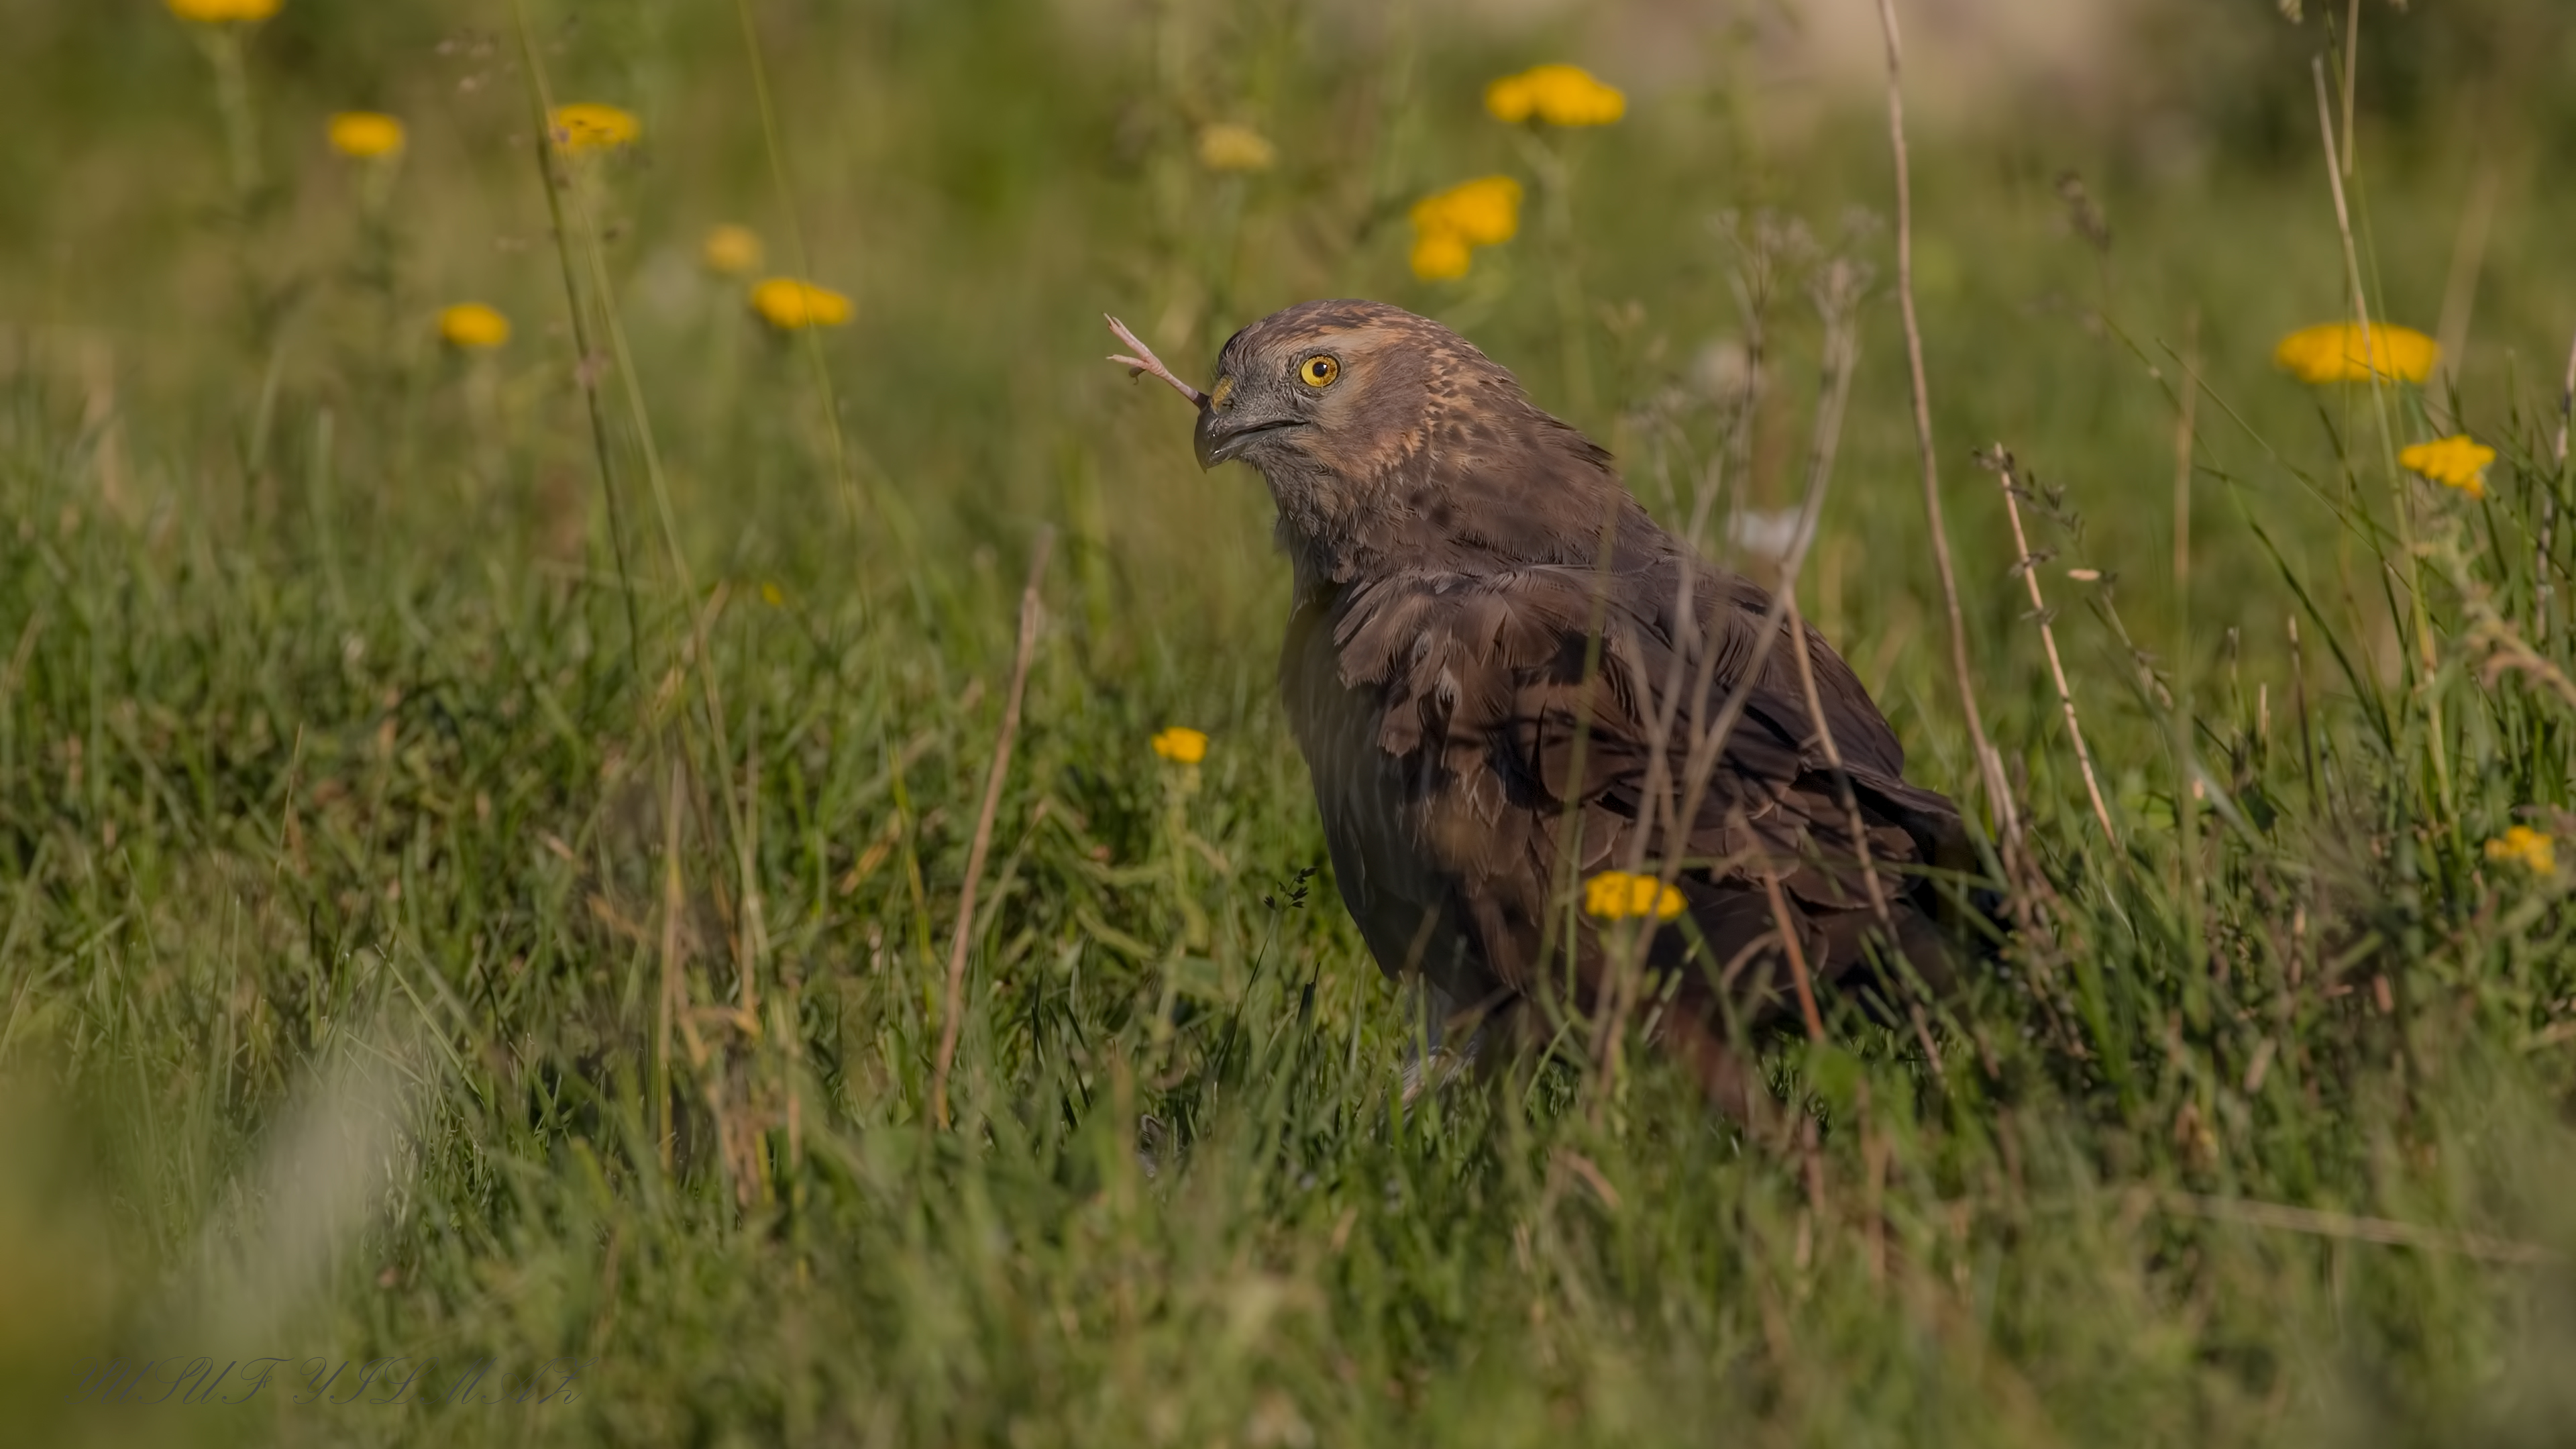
(995, 774)
(804, 258)
(2401, 500)
(1989, 764)
(2028, 565)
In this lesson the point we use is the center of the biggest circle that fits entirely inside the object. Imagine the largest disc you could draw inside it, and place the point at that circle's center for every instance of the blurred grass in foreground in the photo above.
(450, 916)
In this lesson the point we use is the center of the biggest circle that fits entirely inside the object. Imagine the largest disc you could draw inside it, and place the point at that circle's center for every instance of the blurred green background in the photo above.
(985, 180)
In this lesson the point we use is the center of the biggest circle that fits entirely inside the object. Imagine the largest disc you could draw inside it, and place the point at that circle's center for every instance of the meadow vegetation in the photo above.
(485, 797)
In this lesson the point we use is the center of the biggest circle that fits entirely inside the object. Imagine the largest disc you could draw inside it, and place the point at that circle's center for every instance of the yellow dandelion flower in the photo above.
(2454, 462)
(730, 250)
(773, 596)
(788, 304)
(1229, 147)
(1439, 256)
(1560, 95)
(1484, 212)
(2525, 847)
(590, 126)
(1446, 224)
(1181, 745)
(472, 325)
(216, 12)
(365, 135)
(1616, 895)
(2333, 352)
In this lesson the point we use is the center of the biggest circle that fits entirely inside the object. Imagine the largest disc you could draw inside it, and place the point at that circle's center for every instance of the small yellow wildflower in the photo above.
(1560, 95)
(1229, 147)
(1483, 212)
(788, 304)
(773, 596)
(216, 12)
(1616, 895)
(2333, 352)
(1181, 745)
(590, 126)
(365, 134)
(730, 250)
(1439, 256)
(1446, 224)
(2527, 848)
(2454, 462)
(473, 325)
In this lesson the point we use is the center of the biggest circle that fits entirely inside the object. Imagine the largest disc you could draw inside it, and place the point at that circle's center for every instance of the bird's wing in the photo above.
(1522, 737)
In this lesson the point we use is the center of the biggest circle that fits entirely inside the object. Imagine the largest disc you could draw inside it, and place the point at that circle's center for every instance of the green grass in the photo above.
(459, 901)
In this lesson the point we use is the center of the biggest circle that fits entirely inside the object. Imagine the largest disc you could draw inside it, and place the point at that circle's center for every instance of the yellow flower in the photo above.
(365, 134)
(1480, 213)
(1560, 95)
(2527, 848)
(1615, 895)
(730, 250)
(2332, 352)
(773, 596)
(216, 12)
(788, 304)
(590, 126)
(1181, 745)
(1229, 147)
(2455, 462)
(1439, 256)
(472, 325)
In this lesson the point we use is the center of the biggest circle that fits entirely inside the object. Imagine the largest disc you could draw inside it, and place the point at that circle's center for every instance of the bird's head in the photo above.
(1375, 427)
(1344, 387)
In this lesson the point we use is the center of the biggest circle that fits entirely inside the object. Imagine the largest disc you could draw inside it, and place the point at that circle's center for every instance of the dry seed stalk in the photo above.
(2002, 464)
(1989, 764)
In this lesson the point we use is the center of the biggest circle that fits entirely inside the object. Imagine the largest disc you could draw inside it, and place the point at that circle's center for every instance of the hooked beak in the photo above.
(1222, 434)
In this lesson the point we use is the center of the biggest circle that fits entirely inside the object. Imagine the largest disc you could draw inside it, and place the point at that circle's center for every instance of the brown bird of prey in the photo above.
(1508, 681)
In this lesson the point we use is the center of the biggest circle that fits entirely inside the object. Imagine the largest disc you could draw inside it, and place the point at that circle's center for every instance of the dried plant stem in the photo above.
(2323, 1224)
(2508, 652)
(223, 47)
(2185, 748)
(1849, 799)
(2048, 640)
(1989, 764)
(2186, 423)
(1556, 175)
(950, 1016)
(2402, 504)
(2299, 697)
(1708, 742)
(2351, 77)
(2468, 260)
(543, 105)
(1837, 300)
(668, 1004)
(1841, 354)
(2184, 440)
(560, 191)
(1797, 957)
(2543, 591)
(1145, 363)
(2493, 634)
(813, 338)
(2566, 406)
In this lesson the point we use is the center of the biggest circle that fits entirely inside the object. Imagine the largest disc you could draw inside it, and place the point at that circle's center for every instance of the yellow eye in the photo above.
(1318, 371)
